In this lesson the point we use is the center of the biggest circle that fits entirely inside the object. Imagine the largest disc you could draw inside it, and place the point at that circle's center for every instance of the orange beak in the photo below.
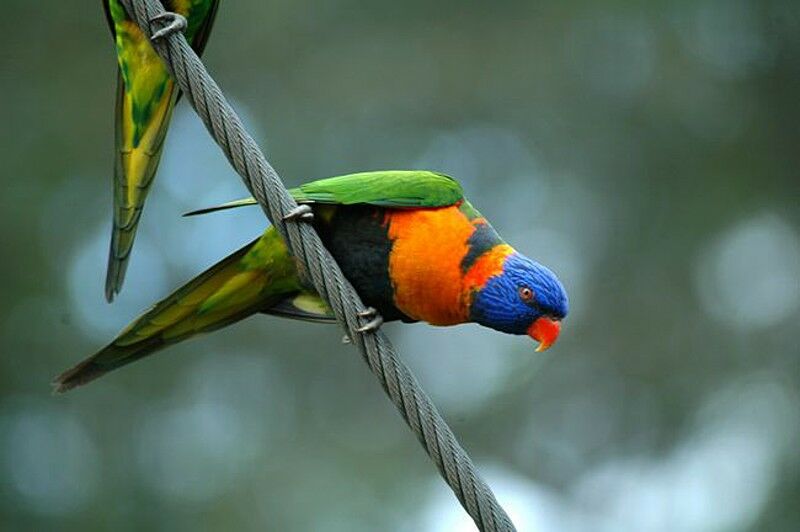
(545, 331)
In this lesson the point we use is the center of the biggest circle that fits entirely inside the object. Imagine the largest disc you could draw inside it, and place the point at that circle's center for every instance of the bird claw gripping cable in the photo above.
(301, 213)
(396, 379)
(175, 22)
(374, 323)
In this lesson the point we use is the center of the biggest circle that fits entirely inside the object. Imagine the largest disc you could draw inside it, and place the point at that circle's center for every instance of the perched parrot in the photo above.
(146, 96)
(412, 246)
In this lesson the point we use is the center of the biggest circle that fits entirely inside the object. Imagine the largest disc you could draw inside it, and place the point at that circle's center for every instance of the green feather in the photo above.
(258, 277)
(392, 188)
(146, 96)
(244, 202)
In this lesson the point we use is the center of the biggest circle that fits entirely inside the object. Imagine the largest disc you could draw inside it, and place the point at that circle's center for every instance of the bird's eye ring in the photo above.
(526, 294)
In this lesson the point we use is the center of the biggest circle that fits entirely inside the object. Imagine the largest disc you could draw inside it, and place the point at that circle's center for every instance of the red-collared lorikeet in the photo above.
(412, 246)
(146, 96)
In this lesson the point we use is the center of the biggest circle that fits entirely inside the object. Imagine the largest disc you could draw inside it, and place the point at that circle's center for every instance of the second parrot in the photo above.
(146, 96)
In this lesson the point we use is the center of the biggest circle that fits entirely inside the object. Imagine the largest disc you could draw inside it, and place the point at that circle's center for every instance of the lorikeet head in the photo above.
(523, 298)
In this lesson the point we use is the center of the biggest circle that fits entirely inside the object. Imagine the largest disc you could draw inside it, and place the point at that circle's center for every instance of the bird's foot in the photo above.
(175, 22)
(376, 320)
(346, 340)
(301, 213)
(368, 313)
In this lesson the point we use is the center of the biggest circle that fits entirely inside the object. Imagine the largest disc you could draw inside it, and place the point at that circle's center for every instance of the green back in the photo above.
(390, 188)
(393, 188)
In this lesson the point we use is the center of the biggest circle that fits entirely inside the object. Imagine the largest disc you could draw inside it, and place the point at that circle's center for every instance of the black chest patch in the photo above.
(357, 238)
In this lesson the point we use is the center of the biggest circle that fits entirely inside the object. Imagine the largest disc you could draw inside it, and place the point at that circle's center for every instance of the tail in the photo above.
(140, 132)
(255, 278)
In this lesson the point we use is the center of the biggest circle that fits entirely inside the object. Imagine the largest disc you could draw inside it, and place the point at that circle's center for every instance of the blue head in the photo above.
(524, 298)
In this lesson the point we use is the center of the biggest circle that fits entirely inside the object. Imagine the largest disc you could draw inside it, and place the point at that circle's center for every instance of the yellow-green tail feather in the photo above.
(139, 143)
(254, 279)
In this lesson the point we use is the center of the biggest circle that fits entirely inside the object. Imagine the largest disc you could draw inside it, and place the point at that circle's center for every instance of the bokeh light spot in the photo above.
(749, 278)
(50, 460)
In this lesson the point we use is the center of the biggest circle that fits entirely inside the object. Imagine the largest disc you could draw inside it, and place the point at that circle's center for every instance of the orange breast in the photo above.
(425, 263)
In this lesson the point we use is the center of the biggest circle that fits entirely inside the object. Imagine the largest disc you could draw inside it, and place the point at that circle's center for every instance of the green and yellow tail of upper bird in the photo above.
(146, 96)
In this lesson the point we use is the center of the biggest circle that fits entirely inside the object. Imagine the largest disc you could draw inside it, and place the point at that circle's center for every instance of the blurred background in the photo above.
(646, 151)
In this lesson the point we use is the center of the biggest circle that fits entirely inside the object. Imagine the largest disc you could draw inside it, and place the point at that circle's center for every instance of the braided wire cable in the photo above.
(319, 267)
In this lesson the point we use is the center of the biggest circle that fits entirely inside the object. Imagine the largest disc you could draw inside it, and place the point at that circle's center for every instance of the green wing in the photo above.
(393, 188)
(398, 188)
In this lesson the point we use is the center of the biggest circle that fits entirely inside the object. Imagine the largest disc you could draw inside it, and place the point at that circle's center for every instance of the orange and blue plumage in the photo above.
(497, 304)
(413, 247)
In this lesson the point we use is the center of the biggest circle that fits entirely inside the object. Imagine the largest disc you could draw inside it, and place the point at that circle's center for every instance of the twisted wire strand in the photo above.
(319, 267)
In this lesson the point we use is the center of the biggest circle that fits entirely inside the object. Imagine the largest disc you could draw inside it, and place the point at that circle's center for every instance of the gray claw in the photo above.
(302, 213)
(368, 313)
(174, 22)
(346, 340)
(372, 326)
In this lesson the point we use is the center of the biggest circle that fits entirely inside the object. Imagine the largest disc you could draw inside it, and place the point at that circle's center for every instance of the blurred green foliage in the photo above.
(646, 151)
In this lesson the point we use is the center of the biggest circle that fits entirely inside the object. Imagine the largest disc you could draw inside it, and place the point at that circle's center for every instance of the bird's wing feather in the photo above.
(396, 189)
(399, 188)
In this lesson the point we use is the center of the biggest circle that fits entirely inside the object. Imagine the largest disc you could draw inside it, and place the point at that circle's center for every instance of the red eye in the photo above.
(526, 294)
